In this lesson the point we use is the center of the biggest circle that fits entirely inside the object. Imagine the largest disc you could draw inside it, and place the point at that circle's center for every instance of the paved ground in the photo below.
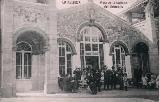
(132, 95)
(42, 99)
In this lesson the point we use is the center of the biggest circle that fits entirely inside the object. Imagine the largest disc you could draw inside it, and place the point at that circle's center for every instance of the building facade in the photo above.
(40, 43)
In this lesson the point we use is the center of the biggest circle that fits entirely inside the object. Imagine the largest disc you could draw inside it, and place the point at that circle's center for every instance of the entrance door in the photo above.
(23, 67)
(92, 61)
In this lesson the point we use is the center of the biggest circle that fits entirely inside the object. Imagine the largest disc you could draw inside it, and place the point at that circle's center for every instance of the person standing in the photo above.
(144, 81)
(120, 75)
(157, 82)
(113, 78)
(92, 82)
(98, 80)
(107, 78)
(125, 81)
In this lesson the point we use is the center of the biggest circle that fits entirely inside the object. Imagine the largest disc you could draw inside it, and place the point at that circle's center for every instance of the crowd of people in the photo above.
(109, 78)
(150, 81)
(104, 79)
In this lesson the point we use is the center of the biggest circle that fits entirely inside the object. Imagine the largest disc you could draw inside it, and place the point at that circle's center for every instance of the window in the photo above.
(23, 61)
(118, 56)
(65, 59)
(88, 47)
(91, 45)
(94, 47)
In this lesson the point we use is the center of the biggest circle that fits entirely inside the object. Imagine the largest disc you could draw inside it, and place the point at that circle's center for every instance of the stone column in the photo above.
(107, 57)
(76, 58)
(8, 85)
(149, 15)
(51, 56)
(51, 68)
(154, 61)
(35, 66)
(46, 73)
(41, 72)
(128, 66)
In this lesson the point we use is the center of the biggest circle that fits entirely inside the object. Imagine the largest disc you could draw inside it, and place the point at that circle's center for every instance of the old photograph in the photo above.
(79, 50)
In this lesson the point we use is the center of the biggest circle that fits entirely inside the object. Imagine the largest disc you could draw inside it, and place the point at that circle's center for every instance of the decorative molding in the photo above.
(30, 14)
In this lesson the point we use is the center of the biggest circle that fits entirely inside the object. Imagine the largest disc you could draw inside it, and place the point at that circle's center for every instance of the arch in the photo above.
(92, 23)
(119, 43)
(140, 52)
(19, 43)
(34, 36)
(69, 43)
(137, 42)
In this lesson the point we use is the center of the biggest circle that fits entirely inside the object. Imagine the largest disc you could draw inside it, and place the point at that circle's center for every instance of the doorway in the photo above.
(142, 59)
(92, 61)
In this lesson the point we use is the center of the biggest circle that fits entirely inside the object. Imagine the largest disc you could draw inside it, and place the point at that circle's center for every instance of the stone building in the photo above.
(40, 43)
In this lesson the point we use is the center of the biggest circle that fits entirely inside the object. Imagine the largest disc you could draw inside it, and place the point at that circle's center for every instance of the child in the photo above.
(125, 81)
(152, 82)
(157, 82)
(144, 81)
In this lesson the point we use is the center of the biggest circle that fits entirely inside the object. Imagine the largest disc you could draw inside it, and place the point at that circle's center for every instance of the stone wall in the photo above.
(70, 21)
(115, 28)
(17, 17)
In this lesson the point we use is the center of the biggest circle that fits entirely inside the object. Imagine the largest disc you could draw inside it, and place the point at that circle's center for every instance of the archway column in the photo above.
(128, 66)
(76, 62)
(38, 72)
(8, 85)
(35, 66)
(107, 57)
(8, 77)
(51, 72)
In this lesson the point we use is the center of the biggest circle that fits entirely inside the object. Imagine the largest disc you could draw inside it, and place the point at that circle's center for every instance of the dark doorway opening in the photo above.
(92, 61)
(142, 59)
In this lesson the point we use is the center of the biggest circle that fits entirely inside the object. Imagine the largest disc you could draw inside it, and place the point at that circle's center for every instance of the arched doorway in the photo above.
(141, 59)
(65, 57)
(30, 61)
(119, 51)
(91, 47)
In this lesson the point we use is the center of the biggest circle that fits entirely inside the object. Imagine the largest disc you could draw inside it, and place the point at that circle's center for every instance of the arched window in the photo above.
(23, 60)
(118, 56)
(65, 59)
(91, 47)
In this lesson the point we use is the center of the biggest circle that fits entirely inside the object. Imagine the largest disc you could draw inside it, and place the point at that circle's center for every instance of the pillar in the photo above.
(154, 60)
(34, 72)
(8, 85)
(76, 62)
(150, 22)
(41, 72)
(51, 73)
(107, 57)
(51, 56)
(128, 66)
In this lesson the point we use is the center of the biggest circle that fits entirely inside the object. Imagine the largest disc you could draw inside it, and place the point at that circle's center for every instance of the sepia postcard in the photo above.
(79, 50)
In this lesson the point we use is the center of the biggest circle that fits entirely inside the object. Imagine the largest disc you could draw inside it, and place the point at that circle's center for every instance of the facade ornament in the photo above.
(90, 1)
(30, 14)
(91, 22)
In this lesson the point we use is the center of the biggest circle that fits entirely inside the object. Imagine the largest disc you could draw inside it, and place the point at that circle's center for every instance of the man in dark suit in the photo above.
(107, 78)
(98, 79)
(113, 78)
